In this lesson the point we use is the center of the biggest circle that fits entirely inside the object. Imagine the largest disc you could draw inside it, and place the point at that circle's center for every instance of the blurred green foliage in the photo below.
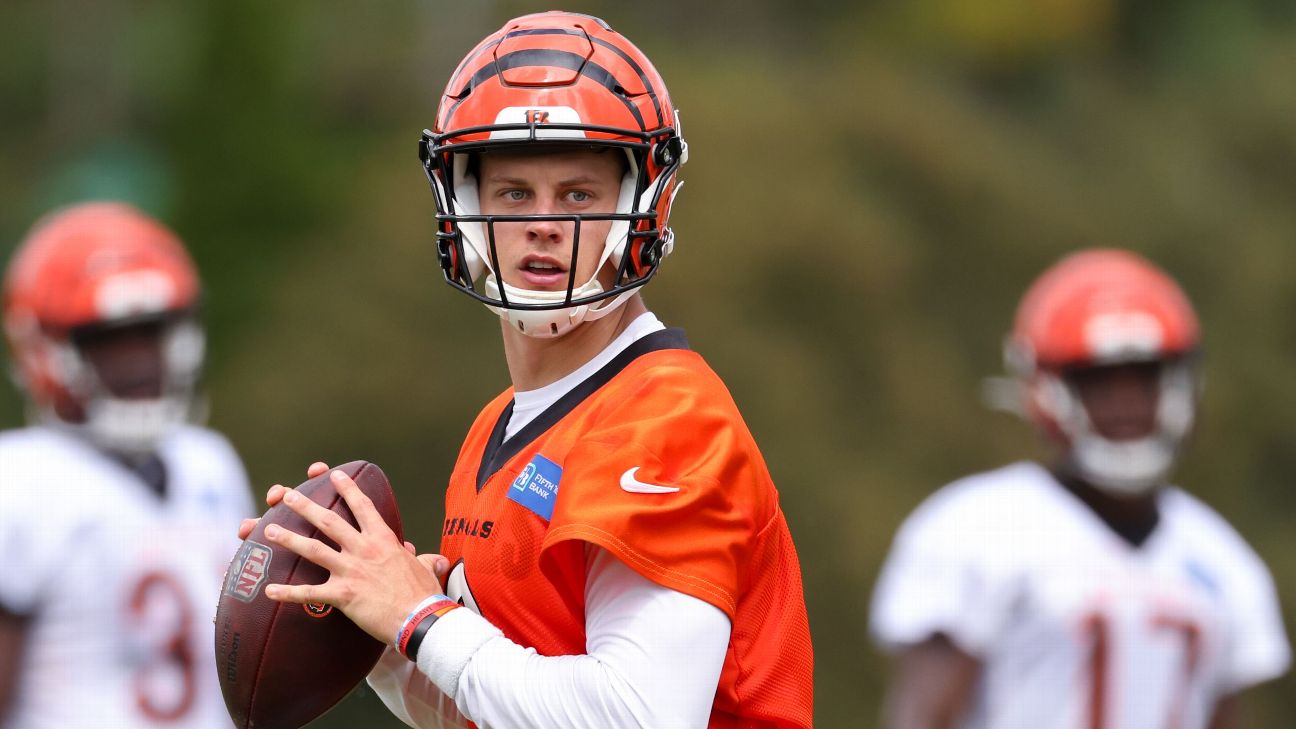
(872, 185)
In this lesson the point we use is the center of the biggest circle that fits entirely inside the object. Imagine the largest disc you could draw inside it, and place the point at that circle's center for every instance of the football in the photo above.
(282, 665)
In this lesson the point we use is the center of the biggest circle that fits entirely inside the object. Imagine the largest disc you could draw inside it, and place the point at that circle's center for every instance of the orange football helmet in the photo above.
(88, 269)
(554, 79)
(1104, 307)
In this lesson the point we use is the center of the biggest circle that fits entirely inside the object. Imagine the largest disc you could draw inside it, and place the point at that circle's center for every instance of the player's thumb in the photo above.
(436, 564)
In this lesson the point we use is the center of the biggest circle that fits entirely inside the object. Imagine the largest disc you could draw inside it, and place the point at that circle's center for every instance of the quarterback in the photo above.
(1085, 593)
(614, 552)
(104, 620)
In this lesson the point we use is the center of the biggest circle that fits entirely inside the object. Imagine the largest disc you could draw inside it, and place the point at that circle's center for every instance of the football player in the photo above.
(105, 620)
(1086, 592)
(612, 533)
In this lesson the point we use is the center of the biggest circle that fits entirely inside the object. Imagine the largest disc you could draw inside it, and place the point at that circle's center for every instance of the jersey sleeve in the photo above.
(671, 484)
(1258, 649)
(35, 535)
(939, 579)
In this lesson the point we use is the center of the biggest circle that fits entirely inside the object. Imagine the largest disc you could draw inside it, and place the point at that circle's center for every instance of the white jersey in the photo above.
(1075, 627)
(120, 585)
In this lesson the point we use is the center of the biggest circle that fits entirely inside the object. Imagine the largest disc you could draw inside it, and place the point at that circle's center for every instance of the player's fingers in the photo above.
(316, 469)
(300, 594)
(362, 507)
(275, 494)
(311, 549)
(329, 522)
(246, 527)
(436, 564)
(409, 547)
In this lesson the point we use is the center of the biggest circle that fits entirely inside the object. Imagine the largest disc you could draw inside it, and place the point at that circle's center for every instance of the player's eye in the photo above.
(579, 196)
(515, 195)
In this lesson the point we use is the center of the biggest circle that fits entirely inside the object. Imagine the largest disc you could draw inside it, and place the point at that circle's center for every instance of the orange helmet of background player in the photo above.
(1105, 307)
(89, 267)
(549, 80)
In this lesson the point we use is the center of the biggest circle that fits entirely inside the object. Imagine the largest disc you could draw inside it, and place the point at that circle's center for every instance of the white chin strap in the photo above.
(134, 426)
(1126, 467)
(541, 323)
(551, 323)
(1131, 467)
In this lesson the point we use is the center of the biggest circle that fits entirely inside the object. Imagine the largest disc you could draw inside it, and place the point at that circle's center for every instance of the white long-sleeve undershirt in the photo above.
(653, 659)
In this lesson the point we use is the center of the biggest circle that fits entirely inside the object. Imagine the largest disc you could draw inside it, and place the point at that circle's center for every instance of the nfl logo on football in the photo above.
(249, 570)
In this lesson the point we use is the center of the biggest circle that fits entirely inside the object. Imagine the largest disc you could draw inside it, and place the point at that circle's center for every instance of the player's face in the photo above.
(1121, 399)
(537, 255)
(127, 360)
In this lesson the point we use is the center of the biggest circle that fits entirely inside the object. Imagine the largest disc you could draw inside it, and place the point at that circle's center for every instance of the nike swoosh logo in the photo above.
(635, 486)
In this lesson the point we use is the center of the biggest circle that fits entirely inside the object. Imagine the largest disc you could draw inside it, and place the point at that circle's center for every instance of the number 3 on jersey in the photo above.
(162, 617)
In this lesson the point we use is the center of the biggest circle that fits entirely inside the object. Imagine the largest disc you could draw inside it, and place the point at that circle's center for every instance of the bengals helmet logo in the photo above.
(537, 116)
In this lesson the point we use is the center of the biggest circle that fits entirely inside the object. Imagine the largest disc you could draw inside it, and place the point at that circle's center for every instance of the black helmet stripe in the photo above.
(643, 77)
(472, 57)
(467, 61)
(534, 31)
(558, 59)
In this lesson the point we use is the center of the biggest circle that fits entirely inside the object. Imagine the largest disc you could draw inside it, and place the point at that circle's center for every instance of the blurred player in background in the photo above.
(610, 522)
(115, 514)
(1088, 593)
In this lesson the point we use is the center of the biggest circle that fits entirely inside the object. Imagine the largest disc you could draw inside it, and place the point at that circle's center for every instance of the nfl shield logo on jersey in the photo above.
(250, 567)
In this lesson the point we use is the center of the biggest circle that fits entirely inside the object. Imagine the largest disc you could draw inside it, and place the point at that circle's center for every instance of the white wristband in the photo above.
(459, 634)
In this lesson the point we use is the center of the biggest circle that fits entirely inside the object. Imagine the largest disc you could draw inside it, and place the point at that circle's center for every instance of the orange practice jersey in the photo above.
(520, 512)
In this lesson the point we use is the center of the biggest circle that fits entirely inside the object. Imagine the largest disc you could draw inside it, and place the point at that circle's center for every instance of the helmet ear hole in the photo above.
(668, 152)
(649, 255)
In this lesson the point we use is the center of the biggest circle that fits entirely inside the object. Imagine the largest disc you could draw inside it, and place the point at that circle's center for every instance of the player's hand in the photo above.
(373, 578)
(276, 493)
